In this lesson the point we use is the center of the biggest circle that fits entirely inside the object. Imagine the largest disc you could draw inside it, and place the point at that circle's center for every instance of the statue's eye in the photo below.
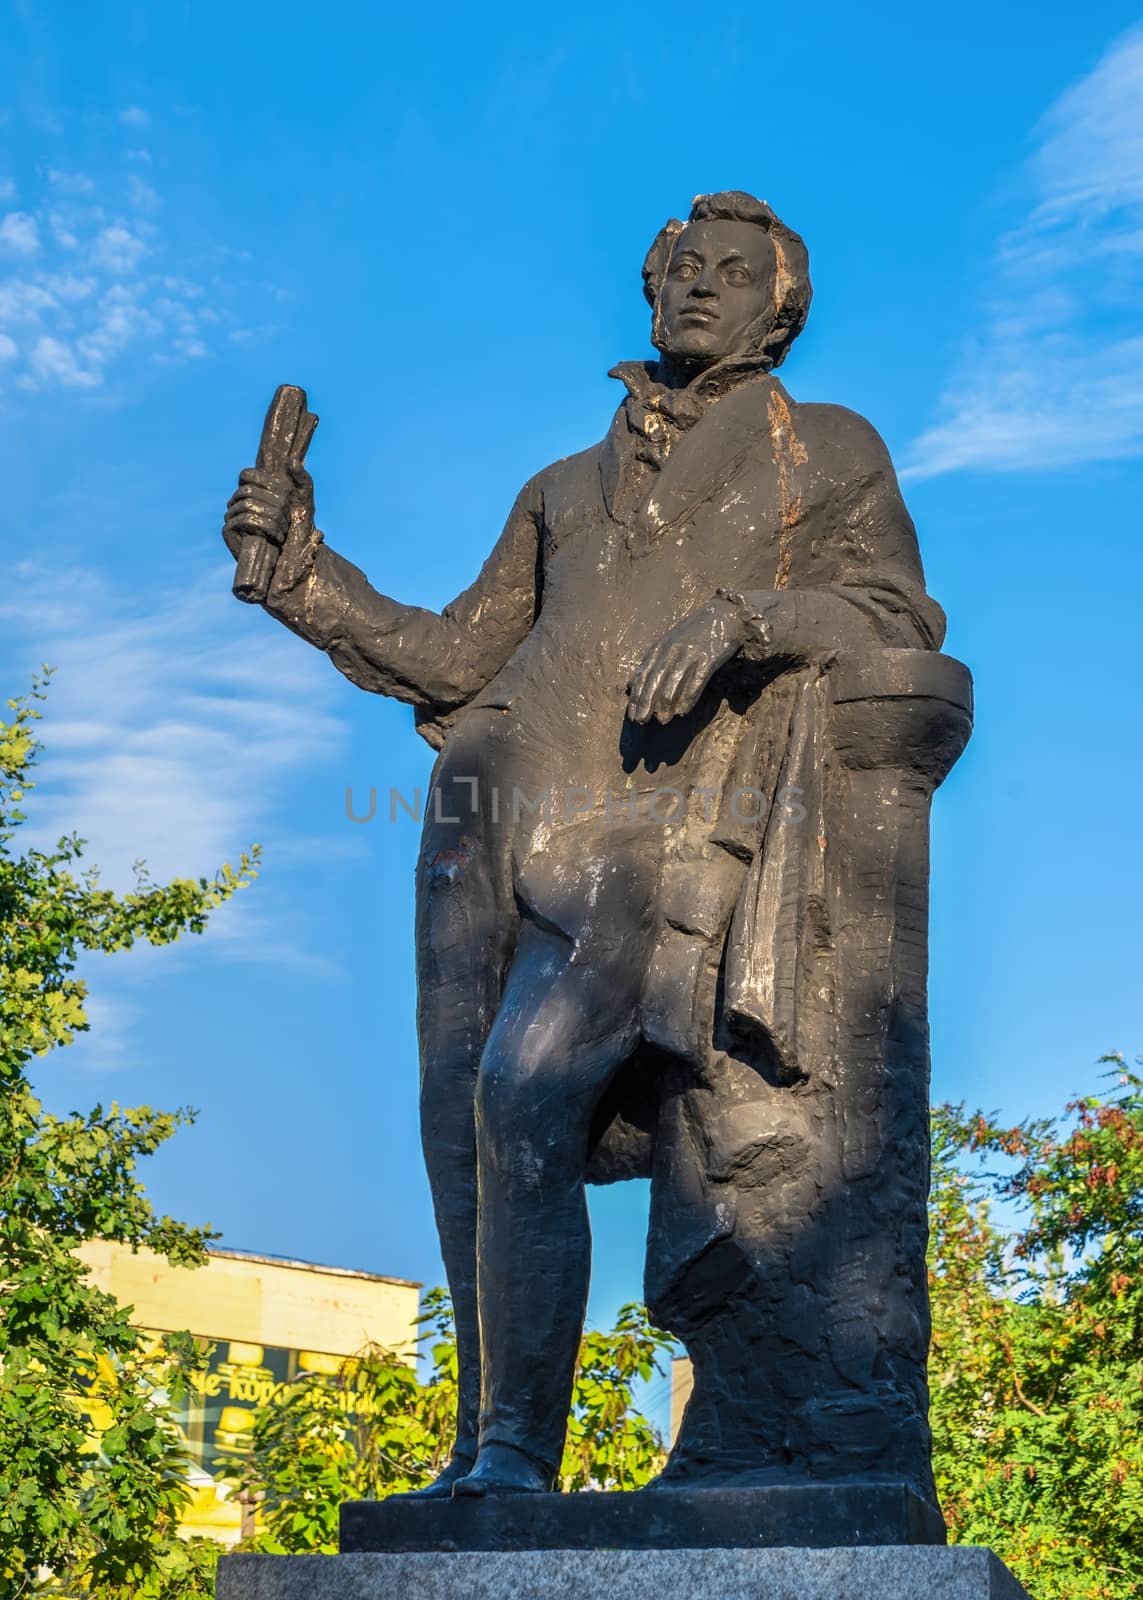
(737, 275)
(685, 269)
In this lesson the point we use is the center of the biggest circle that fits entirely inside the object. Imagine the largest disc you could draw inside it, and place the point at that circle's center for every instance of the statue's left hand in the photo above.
(674, 673)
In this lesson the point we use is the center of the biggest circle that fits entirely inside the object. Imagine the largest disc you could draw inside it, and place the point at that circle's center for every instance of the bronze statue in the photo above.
(672, 893)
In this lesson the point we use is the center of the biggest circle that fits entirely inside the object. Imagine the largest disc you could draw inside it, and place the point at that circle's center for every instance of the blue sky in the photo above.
(434, 220)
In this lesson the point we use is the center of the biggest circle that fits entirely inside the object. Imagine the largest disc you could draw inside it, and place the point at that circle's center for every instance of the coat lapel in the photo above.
(707, 456)
(612, 461)
(702, 461)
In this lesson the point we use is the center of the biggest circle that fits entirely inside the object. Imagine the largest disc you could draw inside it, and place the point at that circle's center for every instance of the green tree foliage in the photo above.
(91, 1470)
(610, 1444)
(1036, 1275)
(374, 1429)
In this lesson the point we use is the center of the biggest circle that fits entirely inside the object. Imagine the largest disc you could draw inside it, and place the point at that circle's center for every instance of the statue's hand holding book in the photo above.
(273, 505)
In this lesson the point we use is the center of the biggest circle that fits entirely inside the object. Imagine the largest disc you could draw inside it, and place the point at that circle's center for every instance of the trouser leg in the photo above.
(565, 1026)
(466, 930)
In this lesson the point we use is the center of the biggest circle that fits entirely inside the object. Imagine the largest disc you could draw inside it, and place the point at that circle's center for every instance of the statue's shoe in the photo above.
(441, 1488)
(502, 1469)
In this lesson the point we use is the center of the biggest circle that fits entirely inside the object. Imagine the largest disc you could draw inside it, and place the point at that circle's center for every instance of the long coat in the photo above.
(728, 486)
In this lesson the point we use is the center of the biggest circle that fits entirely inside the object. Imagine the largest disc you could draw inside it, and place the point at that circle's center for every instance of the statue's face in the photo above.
(718, 289)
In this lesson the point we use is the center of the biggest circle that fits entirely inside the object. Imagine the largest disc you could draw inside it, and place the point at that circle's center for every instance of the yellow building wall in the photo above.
(682, 1382)
(265, 1318)
(239, 1298)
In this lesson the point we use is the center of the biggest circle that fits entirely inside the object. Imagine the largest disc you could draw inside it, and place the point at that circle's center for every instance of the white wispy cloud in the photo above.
(134, 117)
(1055, 377)
(53, 361)
(178, 731)
(70, 182)
(19, 234)
(141, 195)
(172, 735)
(85, 280)
(118, 249)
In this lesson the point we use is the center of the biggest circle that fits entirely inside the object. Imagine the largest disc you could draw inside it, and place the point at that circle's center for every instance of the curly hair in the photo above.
(792, 287)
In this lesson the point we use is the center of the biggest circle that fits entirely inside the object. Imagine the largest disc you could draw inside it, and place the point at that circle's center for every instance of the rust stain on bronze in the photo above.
(789, 453)
(447, 863)
(783, 277)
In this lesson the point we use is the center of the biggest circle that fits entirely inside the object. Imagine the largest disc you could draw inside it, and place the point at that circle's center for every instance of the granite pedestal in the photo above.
(809, 1541)
(888, 1572)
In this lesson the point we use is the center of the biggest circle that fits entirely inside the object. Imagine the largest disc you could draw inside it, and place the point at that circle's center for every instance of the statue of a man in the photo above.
(623, 891)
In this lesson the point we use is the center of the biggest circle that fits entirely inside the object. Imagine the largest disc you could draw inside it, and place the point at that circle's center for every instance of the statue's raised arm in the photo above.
(434, 661)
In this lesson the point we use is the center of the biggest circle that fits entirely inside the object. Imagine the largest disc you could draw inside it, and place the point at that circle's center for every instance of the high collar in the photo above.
(643, 384)
(652, 423)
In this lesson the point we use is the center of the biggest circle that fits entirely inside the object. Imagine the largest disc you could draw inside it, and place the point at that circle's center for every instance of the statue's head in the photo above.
(731, 281)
